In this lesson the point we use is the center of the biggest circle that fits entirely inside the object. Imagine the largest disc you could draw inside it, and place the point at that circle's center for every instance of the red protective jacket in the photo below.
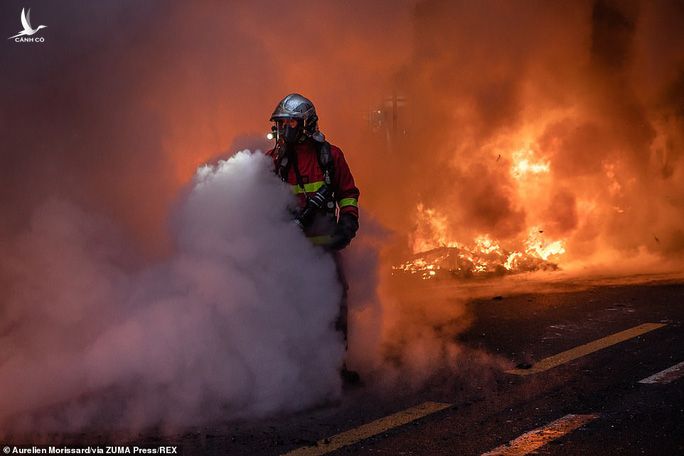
(345, 192)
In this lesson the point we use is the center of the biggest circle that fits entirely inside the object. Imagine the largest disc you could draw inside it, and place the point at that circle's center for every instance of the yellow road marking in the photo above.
(369, 429)
(583, 350)
(539, 437)
(666, 376)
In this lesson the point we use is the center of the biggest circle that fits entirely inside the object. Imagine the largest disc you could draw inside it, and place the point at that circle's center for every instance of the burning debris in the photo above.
(435, 256)
(437, 253)
(485, 259)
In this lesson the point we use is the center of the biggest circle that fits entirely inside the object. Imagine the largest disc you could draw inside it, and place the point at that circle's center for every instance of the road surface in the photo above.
(581, 370)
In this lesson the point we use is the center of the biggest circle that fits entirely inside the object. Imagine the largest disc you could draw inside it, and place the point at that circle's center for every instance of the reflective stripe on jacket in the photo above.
(344, 189)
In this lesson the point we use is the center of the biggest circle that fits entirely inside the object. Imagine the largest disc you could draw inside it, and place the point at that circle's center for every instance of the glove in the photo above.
(345, 231)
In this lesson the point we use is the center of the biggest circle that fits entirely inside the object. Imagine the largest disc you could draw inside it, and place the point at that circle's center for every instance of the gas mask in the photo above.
(290, 134)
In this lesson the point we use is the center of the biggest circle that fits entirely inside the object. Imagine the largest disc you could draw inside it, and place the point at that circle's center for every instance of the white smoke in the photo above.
(237, 323)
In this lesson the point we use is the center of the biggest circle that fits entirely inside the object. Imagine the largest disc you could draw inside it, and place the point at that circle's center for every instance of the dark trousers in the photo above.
(341, 322)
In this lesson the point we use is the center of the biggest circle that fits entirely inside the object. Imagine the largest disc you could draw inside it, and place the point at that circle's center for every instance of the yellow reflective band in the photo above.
(308, 188)
(320, 240)
(349, 202)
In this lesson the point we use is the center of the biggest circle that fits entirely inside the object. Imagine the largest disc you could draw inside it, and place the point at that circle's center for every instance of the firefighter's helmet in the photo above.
(300, 108)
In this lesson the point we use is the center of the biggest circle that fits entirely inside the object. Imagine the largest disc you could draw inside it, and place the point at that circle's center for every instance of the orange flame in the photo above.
(435, 254)
(525, 163)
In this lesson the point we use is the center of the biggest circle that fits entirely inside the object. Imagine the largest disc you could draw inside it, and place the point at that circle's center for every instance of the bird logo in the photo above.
(26, 23)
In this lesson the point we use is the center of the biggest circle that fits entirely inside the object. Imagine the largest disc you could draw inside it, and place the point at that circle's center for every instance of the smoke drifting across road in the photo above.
(227, 327)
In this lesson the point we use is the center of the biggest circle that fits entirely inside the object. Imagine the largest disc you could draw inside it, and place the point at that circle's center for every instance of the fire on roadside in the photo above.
(437, 255)
(484, 257)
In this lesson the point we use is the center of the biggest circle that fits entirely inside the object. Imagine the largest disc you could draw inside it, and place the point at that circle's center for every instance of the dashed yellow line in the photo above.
(583, 350)
(539, 437)
(369, 429)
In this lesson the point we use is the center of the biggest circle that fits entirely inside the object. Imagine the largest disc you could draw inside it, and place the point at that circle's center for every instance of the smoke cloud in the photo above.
(228, 326)
(593, 89)
(550, 116)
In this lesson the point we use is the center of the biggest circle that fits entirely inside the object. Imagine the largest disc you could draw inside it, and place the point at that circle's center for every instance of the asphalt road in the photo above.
(487, 407)
(587, 401)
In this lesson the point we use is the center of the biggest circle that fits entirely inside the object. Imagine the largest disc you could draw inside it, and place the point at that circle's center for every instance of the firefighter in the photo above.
(316, 170)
